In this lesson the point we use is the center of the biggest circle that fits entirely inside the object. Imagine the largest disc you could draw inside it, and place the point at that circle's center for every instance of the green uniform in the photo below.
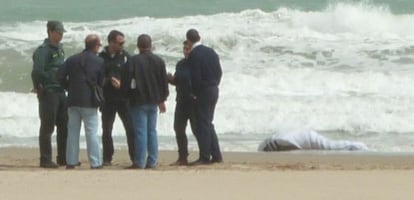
(52, 102)
(46, 61)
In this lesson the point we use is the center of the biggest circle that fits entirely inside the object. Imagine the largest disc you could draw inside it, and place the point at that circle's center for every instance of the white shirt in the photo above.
(306, 140)
(195, 45)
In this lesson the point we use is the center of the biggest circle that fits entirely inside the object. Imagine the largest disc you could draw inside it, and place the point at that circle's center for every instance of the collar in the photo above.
(196, 45)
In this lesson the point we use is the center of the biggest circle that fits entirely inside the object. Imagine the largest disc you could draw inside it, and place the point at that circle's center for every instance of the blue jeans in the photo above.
(144, 119)
(90, 118)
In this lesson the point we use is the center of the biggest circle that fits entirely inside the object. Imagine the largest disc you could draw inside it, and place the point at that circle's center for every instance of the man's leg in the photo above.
(140, 119)
(108, 118)
(125, 115)
(48, 103)
(72, 146)
(90, 118)
(180, 123)
(215, 147)
(152, 113)
(62, 129)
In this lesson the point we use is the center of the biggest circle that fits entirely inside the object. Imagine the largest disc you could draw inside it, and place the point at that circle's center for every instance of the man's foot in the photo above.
(107, 163)
(97, 167)
(199, 162)
(133, 166)
(70, 166)
(49, 165)
(217, 160)
(179, 162)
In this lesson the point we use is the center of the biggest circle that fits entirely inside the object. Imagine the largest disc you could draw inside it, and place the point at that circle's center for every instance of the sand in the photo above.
(287, 175)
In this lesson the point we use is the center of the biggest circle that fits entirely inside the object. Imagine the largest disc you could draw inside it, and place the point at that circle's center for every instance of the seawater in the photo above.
(343, 68)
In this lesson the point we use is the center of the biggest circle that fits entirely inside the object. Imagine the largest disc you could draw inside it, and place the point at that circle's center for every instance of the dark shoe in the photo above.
(150, 167)
(61, 162)
(107, 163)
(97, 167)
(216, 160)
(49, 165)
(199, 162)
(70, 166)
(179, 162)
(133, 166)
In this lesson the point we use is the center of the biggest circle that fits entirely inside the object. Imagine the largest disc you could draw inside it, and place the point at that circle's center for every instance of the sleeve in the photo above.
(62, 75)
(39, 74)
(163, 82)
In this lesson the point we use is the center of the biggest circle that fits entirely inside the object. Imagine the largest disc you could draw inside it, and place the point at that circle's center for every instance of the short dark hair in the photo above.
(91, 42)
(193, 36)
(144, 41)
(113, 34)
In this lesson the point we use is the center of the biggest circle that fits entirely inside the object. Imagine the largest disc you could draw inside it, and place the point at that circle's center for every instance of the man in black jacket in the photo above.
(115, 59)
(206, 75)
(149, 91)
(78, 74)
(184, 106)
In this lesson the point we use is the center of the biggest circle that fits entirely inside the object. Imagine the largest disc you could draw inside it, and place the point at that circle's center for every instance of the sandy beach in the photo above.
(287, 175)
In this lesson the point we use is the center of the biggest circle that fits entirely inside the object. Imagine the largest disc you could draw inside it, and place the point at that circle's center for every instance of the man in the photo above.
(47, 58)
(79, 74)
(184, 106)
(115, 59)
(149, 91)
(306, 140)
(206, 75)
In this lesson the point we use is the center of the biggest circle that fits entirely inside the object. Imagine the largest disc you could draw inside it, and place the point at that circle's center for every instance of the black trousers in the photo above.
(109, 110)
(184, 112)
(206, 136)
(53, 112)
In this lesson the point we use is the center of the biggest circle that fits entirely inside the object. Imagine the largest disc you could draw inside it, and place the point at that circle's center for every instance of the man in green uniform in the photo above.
(47, 59)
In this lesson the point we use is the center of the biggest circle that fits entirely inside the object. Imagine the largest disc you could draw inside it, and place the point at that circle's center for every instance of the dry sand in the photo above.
(288, 175)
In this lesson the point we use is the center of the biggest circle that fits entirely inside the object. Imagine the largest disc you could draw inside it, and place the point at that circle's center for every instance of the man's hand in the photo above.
(162, 107)
(116, 83)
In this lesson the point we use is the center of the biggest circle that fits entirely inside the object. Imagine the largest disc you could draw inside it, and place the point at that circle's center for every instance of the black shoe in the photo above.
(107, 163)
(97, 167)
(199, 162)
(70, 166)
(180, 162)
(217, 160)
(49, 165)
(150, 167)
(133, 166)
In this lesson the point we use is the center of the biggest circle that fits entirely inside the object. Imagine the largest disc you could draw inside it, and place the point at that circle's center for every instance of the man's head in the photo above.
(193, 36)
(186, 48)
(116, 41)
(92, 43)
(144, 43)
(55, 31)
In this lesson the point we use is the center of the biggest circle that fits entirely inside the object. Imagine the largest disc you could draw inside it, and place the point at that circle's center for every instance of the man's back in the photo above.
(150, 77)
(79, 69)
(205, 68)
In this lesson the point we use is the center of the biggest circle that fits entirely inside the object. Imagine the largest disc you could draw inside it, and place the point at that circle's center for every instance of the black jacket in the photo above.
(114, 67)
(74, 79)
(148, 71)
(182, 81)
(205, 68)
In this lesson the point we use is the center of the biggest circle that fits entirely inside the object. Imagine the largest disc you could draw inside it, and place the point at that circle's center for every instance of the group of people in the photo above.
(135, 87)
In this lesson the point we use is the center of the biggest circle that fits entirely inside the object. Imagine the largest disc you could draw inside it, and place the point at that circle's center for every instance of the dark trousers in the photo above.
(184, 112)
(52, 112)
(109, 110)
(205, 133)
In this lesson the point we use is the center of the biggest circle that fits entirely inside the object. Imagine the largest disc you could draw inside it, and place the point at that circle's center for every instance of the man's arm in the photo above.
(40, 59)
(62, 75)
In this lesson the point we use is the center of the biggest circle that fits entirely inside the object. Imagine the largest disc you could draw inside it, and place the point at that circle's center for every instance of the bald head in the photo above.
(92, 42)
(193, 36)
(144, 42)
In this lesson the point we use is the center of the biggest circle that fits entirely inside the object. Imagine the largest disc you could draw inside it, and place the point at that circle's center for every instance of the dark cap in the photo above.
(55, 26)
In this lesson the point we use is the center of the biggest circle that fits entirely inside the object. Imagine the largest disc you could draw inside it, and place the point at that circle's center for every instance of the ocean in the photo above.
(342, 68)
